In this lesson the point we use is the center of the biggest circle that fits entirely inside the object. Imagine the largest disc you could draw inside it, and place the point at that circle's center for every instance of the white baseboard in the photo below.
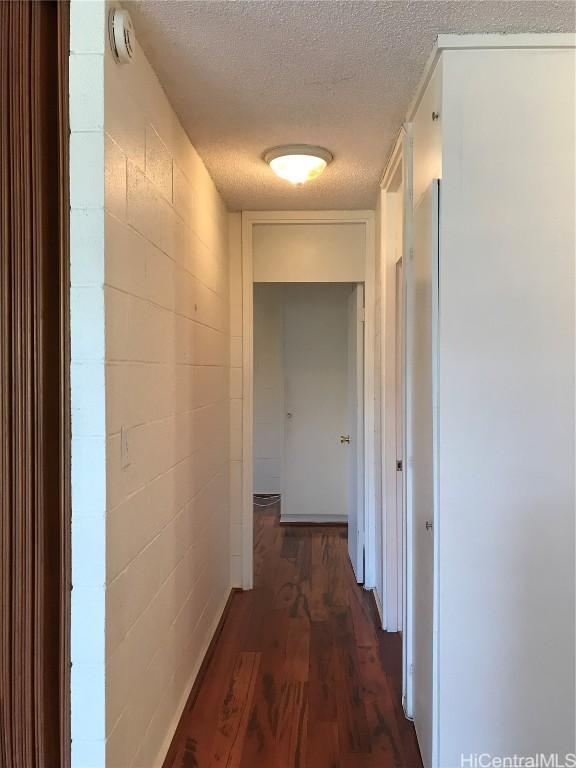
(267, 493)
(379, 607)
(329, 519)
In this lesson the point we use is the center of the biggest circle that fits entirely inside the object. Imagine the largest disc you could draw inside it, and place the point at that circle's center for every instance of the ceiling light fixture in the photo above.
(298, 163)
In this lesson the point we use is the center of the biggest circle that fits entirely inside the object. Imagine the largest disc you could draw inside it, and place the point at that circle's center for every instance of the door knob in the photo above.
(344, 438)
(429, 525)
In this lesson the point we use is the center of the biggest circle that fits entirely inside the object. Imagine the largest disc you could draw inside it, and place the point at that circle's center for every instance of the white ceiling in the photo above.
(246, 75)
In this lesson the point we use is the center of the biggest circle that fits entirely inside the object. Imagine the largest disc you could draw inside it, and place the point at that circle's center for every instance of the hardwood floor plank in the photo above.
(234, 713)
(291, 737)
(339, 564)
(260, 742)
(364, 630)
(196, 732)
(320, 576)
(385, 740)
(323, 745)
(350, 760)
(298, 649)
(322, 688)
(352, 720)
(290, 543)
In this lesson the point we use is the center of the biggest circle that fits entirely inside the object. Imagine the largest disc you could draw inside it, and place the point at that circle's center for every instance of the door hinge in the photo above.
(398, 465)
(362, 314)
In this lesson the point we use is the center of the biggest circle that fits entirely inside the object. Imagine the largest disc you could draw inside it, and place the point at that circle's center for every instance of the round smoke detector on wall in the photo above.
(122, 36)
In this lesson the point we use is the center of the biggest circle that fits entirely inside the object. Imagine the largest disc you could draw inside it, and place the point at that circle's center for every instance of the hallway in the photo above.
(299, 677)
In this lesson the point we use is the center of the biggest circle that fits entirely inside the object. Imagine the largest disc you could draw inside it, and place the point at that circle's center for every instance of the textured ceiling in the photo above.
(244, 76)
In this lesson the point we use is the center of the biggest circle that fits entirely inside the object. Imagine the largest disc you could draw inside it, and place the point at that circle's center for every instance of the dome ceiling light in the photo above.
(298, 163)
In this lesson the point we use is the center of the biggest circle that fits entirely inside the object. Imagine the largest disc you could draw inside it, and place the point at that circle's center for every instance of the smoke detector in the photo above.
(122, 36)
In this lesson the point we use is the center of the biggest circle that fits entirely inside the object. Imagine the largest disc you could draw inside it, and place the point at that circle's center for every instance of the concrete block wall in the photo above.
(151, 386)
(167, 413)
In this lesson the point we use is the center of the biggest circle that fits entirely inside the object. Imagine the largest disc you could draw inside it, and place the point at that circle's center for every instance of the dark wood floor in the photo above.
(300, 676)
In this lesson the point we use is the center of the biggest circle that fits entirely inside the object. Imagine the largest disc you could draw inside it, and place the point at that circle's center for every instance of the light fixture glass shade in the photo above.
(298, 163)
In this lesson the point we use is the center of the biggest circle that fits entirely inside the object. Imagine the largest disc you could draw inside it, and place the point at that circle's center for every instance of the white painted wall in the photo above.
(427, 135)
(309, 253)
(87, 383)
(167, 384)
(507, 339)
(235, 287)
(151, 355)
(269, 409)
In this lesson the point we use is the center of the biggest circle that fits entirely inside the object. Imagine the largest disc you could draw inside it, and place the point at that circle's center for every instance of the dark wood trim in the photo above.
(34, 394)
(65, 425)
(197, 685)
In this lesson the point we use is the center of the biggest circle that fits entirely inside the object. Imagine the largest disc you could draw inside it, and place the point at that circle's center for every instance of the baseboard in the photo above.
(379, 607)
(314, 519)
(196, 678)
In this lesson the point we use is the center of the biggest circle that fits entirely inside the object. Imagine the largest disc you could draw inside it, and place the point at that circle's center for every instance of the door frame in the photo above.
(399, 425)
(356, 375)
(396, 535)
(249, 220)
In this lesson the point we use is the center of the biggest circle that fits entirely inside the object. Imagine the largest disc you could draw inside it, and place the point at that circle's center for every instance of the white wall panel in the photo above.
(268, 387)
(309, 253)
(507, 433)
(87, 383)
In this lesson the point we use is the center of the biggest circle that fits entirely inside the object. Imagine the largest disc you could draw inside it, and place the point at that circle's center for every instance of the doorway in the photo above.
(394, 274)
(399, 376)
(309, 404)
(311, 247)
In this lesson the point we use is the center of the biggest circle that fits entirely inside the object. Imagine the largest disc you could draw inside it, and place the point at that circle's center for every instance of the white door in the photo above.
(356, 419)
(316, 462)
(399, 423)
(422, 361)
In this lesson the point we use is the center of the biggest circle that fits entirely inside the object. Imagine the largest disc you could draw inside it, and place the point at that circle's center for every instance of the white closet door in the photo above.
(422, 361)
